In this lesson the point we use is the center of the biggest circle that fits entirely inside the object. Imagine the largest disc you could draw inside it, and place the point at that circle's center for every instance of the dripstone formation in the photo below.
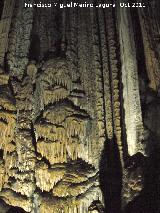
(79, 108)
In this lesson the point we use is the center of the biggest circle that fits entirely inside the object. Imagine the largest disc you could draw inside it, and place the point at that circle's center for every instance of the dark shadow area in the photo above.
(5, 65)
(134, 161)
(149, 199)
(111, 177)
(1, 8)
(59, 50)
(5, 208)
(53, 53)
(34, 51)
(1, 153)
(15, 210)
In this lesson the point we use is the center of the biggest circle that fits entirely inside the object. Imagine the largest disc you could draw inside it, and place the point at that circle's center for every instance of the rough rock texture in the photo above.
(79, 109)
(131, 96)
(5, 22)
(150, 34)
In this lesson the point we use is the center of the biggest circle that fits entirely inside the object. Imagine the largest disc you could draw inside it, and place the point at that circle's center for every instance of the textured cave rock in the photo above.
(79, 109)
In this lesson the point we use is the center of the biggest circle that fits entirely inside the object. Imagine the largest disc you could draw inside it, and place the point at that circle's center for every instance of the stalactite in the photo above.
(151, 59)
(59, 152)
(11, 162)
(106, 75)
(47, 26)
(47, 179)
(132, 106)
(87, 80)
(42, 31)
(98, 80)
(5, 23)
(71, 39)
(114, 78)
(53, 85)
(63, 133)
(133, 115)
(23, 187)
(71, 205)
(6, 100)
(19, 39)
(2, 175)
(7, 130)
(22, 181)
(56, 116)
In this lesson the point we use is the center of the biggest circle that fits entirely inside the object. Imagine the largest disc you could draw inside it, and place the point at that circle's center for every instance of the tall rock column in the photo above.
(150, 35)
(131, 96)
(133, 175)
(5, 23)
(19, 39)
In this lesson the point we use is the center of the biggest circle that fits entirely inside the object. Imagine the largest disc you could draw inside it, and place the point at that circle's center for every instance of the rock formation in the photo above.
(78, 107)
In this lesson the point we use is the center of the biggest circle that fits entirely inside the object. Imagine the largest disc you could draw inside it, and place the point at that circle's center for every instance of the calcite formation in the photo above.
(71, 106)
(5, 22)
(131, 96)
(150, 35)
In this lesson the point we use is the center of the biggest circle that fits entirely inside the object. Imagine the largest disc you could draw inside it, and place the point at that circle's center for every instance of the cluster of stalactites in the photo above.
(61, 152)
(7, 127)
(64, 138)
(80, 204)
(46, 178)
(52, 86)
(62, 130)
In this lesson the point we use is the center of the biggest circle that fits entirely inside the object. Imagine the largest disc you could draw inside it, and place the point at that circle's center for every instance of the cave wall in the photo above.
(78, 107)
